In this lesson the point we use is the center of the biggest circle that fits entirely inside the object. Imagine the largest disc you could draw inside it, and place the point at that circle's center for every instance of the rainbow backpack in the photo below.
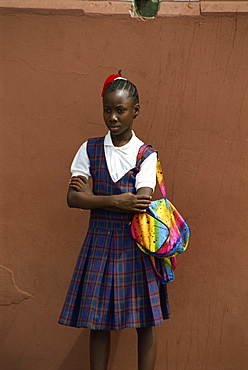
(161, 232)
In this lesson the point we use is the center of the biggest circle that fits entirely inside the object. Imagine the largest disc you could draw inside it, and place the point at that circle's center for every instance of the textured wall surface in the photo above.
(192, 76)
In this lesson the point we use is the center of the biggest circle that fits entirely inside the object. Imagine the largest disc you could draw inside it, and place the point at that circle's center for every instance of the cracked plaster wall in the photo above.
(192, 78)
(9, 291)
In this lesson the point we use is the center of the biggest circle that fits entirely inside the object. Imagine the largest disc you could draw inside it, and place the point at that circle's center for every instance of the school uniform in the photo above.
(114, 285)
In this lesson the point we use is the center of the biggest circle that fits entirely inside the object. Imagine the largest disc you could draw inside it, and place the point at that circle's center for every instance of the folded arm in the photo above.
(80, 195)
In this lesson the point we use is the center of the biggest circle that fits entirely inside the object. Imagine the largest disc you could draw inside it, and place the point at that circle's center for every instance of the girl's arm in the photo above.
(81, 196)
(146, 192)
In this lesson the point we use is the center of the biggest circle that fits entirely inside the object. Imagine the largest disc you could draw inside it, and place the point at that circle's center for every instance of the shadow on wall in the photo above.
(78, 358)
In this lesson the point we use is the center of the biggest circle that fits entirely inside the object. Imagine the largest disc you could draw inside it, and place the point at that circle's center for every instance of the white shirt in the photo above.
(119, 161)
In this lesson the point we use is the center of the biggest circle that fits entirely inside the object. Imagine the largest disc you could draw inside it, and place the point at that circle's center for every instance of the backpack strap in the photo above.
(159, 171)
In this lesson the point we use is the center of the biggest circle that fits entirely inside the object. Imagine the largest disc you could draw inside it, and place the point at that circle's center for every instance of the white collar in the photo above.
(124, 148)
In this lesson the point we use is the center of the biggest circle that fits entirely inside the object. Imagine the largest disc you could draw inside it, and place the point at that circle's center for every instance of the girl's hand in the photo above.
(133, 203)
(80, 184)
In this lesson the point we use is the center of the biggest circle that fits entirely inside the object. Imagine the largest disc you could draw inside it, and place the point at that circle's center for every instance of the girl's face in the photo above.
(119, 111)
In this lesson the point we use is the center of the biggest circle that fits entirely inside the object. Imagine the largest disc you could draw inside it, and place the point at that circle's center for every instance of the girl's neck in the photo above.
(120, 140)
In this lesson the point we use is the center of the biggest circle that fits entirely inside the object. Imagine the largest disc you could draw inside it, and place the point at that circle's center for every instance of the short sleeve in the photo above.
(146, 177)
(81, 164)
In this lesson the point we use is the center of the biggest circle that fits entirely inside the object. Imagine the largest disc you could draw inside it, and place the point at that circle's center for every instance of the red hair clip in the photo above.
(108, 81)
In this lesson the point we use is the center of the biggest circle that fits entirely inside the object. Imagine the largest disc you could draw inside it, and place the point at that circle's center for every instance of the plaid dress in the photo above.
(114, 285)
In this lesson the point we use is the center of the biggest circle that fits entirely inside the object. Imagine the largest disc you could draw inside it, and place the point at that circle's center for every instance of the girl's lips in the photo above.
(113, 128)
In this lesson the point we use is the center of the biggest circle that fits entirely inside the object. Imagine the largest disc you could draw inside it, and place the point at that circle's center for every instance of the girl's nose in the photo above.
(113, 117)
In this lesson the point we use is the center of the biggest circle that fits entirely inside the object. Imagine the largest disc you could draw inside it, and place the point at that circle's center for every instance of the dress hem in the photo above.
(119, 328)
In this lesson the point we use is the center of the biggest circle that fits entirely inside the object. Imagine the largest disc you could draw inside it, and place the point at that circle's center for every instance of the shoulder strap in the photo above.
(94, 146)
(160, 179)
(143, 150)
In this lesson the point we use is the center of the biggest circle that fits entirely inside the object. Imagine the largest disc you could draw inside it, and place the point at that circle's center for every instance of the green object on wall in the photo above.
(146, 8)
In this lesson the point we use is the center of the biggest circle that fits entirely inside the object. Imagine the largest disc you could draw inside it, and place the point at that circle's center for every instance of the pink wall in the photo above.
(192, 78)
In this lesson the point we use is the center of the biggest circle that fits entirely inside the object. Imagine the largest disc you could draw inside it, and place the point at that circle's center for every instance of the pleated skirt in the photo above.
(114, 285)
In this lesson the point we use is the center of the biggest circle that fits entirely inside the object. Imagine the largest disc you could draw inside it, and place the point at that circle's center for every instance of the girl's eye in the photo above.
(106, 110)
(120, 110)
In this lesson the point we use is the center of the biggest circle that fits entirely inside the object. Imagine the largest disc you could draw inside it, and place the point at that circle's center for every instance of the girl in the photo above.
(114, 285)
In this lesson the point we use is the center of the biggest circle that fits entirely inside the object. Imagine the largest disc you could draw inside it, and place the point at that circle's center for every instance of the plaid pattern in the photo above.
(114, 285)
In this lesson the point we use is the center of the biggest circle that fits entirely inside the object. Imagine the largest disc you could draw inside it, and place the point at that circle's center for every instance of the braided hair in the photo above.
(123, 84)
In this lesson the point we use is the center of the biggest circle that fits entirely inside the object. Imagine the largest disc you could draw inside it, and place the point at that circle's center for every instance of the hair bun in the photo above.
(108, 81)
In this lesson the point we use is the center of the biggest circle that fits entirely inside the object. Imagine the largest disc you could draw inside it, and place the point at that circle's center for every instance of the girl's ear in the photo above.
(136, 110)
